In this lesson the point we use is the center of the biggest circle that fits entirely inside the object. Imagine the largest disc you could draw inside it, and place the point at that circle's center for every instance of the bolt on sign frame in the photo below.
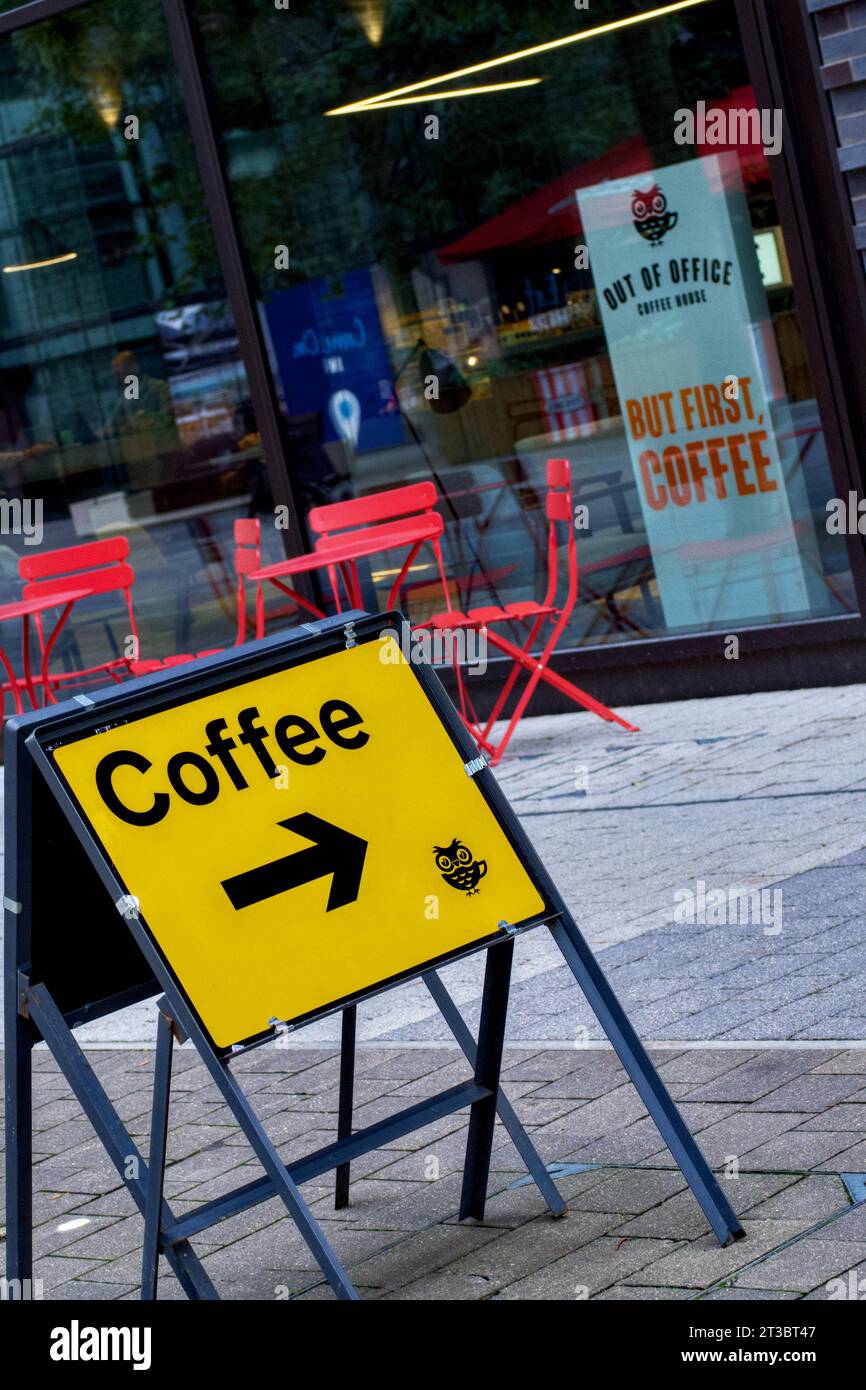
(57, 978)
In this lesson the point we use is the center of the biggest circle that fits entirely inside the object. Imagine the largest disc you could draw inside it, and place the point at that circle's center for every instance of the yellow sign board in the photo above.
(299, 838)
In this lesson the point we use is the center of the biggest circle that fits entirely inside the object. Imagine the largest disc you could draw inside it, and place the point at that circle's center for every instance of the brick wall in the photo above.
(841, 29)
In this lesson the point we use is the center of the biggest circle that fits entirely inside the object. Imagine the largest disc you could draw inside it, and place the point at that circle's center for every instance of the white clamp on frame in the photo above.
(475, 766)
(129, 907)
(280, 1025)
(511, 930)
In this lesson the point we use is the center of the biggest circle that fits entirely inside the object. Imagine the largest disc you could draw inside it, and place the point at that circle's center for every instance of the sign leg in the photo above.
(284, 1186)
(19, 1148)
(347, 1088)
(111, 1131)
(488, 1062)
(646, 1080)
(519, 1138)
(264, 1149)
(156, 1155)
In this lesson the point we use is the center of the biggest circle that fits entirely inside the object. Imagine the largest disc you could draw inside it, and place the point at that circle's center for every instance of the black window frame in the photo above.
(780, 50)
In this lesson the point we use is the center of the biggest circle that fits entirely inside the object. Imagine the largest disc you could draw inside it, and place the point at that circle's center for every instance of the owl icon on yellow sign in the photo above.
(458, 868)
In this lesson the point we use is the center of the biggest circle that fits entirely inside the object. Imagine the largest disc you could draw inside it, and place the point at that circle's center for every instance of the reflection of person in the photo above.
(149, 408)
(143, 420)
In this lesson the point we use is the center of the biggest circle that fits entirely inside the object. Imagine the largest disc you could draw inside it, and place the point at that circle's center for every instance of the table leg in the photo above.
(393, 596)
(13, 682)
(48, 696)
(294, 596)
(28, 674)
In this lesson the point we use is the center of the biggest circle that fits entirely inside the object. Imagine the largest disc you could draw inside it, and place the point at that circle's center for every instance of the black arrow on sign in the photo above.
(333, 851)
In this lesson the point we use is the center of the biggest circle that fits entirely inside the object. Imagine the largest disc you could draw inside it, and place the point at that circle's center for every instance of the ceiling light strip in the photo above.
(611, 27)
(439, 96)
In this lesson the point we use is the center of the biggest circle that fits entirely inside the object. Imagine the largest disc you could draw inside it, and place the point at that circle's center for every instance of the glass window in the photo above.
(124, 408)
(484, 235)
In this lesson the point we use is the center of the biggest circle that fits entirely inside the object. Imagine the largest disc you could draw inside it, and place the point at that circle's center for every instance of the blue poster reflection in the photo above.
(333, 359)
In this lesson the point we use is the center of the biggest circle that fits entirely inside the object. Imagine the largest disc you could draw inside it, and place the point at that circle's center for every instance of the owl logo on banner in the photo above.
(650, 215)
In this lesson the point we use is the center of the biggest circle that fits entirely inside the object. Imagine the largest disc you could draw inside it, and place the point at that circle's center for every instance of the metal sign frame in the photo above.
(32, 1014)
(209, 677)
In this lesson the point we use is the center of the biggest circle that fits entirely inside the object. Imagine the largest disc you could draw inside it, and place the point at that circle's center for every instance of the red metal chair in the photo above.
(97, 567)
(560, 511)
(247, 537)
(101, 567)
(248, 559)
(378, 517)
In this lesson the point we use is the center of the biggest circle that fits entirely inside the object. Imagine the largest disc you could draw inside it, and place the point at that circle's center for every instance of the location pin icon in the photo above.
(344, 409)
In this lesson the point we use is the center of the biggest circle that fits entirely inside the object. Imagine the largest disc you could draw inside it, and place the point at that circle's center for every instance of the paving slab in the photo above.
(806, 1265)
(632, 1223)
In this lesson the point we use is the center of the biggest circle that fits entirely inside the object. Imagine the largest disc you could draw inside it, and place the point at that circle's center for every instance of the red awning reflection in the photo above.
(551, 212)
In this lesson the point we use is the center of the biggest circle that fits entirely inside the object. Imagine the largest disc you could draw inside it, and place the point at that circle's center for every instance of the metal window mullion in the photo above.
(779, 78)
(239, 292)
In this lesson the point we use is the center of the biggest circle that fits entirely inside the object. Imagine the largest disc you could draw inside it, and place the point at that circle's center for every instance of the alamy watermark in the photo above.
(463, 646)
(716, 125)
(77, 1343)
(846, 516)
(21, 1290)
(847, 1286)
(720, 907)
(22, 517)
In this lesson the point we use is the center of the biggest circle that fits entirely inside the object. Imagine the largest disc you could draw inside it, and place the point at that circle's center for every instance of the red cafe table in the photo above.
(342, 553)
(25, 609)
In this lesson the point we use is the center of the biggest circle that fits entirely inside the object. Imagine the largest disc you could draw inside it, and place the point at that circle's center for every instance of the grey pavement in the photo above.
(784, 1130)
(746, 792)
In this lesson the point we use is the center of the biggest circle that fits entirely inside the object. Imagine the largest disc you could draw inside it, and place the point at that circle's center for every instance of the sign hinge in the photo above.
(23, 986)
(475, 766)
(349, 634)
(165, 1009)
(511, 929)
(279, 1025)
(128, 907)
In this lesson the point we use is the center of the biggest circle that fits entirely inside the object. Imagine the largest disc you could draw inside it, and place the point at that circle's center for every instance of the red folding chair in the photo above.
(392, 513)
(248, 559)
(247, 537)
(100, 567)
(560, 511)
(97, 567)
